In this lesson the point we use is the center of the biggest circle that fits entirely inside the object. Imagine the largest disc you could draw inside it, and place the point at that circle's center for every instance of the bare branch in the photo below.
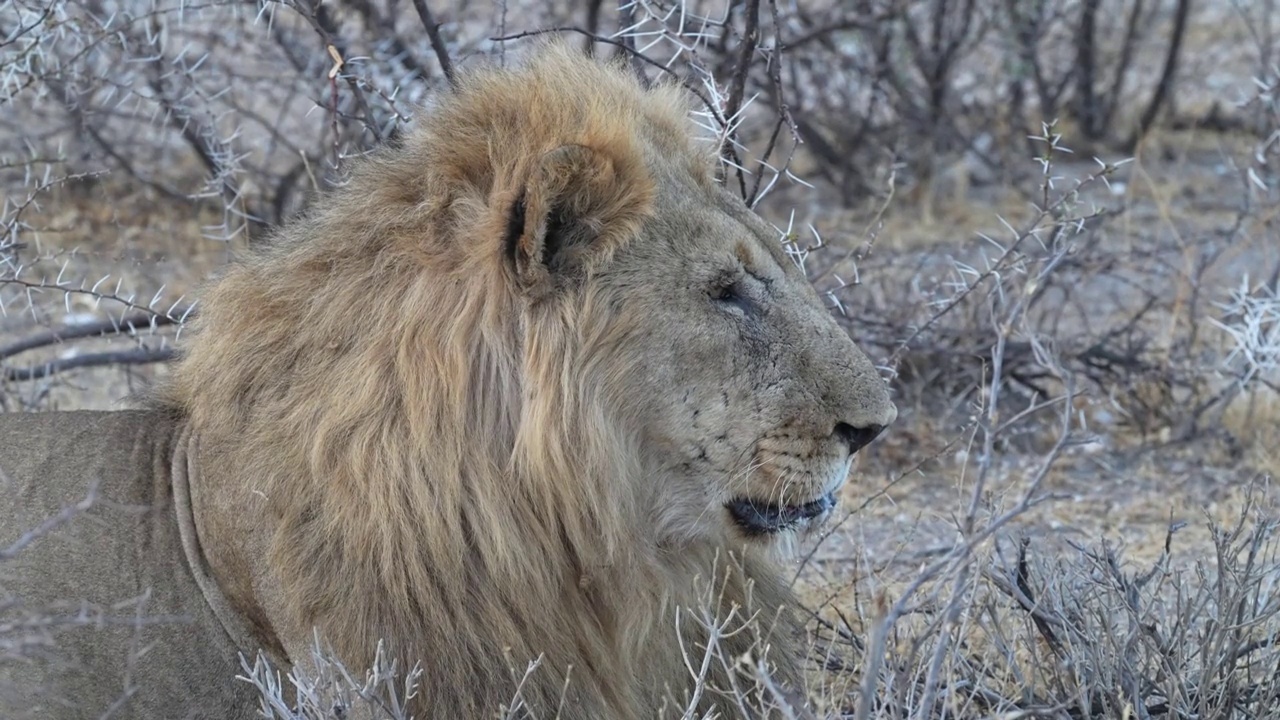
(105, 328)
(138, 356)
(437, 45)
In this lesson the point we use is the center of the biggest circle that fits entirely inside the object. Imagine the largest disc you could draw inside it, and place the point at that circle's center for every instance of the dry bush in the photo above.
(239, 113)
(1081, 634)
(332, 691)
(1023, 337)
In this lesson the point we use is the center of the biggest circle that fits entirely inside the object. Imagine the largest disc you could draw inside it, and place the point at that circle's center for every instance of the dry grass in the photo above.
(1077, 632)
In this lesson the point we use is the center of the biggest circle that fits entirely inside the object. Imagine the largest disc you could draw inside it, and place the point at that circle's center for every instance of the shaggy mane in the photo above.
(440, 457)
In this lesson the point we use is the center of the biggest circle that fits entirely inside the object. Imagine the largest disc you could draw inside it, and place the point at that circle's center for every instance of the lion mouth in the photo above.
(757, 517)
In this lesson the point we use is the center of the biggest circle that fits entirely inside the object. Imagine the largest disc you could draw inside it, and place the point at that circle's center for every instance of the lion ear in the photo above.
(576, 199)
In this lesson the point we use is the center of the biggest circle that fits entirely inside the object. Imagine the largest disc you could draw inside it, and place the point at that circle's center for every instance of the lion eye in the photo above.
(730, 293)
(726, 293)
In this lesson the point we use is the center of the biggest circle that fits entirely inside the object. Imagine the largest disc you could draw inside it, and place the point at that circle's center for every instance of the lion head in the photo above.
(508, 392)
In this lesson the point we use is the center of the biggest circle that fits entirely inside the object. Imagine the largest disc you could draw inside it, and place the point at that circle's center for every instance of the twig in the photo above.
(104, 328)
(625, 48)
(139, 356)
(61, 518)
(781, 107)
(1165, 85)
(626, 26)
(317, 16)
(857, 254)
(36, 286)
(433, 34)
(738, 85)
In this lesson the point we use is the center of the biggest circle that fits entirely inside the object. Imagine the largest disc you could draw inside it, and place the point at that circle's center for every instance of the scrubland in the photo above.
(1054, 225)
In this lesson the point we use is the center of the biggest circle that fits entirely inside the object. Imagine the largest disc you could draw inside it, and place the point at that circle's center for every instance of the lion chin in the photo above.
(531, 389)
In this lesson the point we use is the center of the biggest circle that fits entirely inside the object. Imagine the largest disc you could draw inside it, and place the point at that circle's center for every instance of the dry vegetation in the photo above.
(1053, 222)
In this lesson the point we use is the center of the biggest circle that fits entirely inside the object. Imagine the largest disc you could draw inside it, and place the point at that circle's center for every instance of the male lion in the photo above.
(526, 387)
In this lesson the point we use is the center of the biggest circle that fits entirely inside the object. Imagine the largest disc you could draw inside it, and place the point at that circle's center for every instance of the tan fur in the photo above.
(487, 404)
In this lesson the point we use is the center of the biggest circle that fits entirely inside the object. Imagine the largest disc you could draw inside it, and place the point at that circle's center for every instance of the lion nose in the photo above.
(857, 437)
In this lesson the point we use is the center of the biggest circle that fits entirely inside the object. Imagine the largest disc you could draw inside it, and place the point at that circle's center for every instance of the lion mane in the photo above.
(440, 463)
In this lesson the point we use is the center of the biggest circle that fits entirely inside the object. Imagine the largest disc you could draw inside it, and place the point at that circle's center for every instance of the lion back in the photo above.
(109, 611)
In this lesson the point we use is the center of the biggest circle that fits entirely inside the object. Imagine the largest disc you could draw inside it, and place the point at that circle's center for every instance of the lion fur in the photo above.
(404, 418)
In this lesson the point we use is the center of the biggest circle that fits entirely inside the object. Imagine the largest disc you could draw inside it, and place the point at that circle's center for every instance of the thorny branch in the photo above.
(437, 44)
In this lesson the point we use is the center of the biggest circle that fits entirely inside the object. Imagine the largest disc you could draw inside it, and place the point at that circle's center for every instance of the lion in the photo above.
(521, 390)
